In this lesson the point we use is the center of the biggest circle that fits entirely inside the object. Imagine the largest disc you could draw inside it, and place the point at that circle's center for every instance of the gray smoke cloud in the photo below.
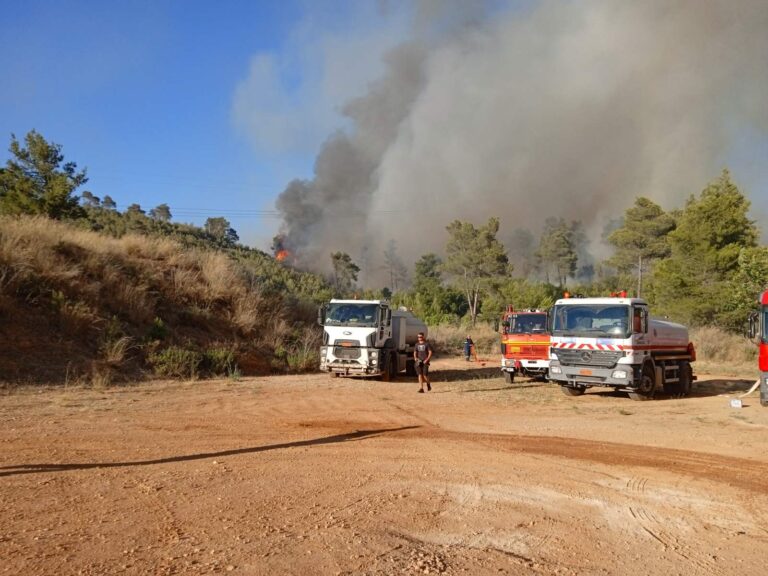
(565, 109)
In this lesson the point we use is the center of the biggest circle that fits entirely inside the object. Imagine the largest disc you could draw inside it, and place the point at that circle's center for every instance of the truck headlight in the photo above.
(374, 353)
(555, 369)
(323, 351)
(620, 374)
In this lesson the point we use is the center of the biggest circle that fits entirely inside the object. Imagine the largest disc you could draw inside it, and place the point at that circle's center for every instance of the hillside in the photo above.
(80, 306)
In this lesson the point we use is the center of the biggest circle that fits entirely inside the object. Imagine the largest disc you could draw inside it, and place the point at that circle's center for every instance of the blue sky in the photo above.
(165, 101)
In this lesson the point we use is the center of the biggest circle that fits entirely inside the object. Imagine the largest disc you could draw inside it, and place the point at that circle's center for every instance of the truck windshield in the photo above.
(526, 324)
(339, 314)
(594, 320)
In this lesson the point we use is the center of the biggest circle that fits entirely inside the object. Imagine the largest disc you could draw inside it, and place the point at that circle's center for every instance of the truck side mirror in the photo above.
(321, 315)
(752, 326)
(385, 315)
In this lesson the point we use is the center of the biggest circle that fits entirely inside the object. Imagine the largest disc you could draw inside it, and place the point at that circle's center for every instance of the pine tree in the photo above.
(37, 181)
(692, 285)
(475, 260)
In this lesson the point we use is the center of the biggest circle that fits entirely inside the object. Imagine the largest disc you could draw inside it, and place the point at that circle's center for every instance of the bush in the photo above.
(218, 361)
(176, 362)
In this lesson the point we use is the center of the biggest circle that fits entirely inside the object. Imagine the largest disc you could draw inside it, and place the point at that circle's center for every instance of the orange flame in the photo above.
(282, 255)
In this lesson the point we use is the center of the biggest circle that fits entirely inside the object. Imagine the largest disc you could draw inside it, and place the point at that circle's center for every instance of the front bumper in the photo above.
(366, 363)
(350, 369)
(594, 376)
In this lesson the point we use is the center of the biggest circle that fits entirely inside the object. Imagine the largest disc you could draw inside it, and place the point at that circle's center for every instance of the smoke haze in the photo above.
(564, 109)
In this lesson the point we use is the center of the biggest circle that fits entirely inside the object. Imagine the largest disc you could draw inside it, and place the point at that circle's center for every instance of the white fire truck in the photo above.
(614, 342)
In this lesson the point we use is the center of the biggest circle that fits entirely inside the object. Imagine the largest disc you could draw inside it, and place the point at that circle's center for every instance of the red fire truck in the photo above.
(524, 343)
(758, 327)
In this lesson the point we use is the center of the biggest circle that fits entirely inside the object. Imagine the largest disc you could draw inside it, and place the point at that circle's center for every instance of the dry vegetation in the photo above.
(717, 350)
(77, 306)
(80, 306)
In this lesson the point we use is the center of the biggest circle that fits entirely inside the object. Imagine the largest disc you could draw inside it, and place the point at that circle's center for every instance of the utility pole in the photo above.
(639, 275)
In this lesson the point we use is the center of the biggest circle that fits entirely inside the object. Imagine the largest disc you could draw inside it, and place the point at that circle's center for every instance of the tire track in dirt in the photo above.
(470, 494)
(736, 472)
(659, 529)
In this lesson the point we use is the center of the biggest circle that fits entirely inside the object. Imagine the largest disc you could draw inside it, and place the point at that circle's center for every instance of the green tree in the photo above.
(107, 203)
(429, 299)
(746, 285)
(162, 212)
(521, 294)
(428, 275)
(641, 240)
(475, 260)
(344, 272)
(557, 250)
(37, 180)
(221, 231)
(89, 200)
(692, 285)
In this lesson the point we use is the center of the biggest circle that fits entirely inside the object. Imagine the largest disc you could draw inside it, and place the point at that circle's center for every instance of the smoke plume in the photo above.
(564, 109)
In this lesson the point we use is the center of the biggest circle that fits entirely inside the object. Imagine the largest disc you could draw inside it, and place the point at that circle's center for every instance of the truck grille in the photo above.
(602, 358)
(347, 349)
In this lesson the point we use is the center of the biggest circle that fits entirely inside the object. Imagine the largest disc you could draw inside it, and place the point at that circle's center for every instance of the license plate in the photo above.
(585, 372)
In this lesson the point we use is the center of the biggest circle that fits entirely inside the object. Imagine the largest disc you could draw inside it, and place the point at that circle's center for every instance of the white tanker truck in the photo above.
(614, 342)
(367, 338)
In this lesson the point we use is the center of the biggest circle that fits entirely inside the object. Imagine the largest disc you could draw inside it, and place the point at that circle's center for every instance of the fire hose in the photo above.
(754, 387)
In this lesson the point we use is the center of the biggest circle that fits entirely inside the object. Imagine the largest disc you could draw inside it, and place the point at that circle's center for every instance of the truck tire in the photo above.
(410, 367)
(509, 377)
(686, 379)
(647, 385)
(333, 374)
(573, 390)
(390, 371)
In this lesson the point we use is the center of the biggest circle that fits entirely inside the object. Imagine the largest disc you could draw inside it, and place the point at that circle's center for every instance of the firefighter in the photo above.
(468, 345)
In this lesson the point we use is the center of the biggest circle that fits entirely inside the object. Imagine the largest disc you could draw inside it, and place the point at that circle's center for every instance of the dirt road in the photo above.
(309, 475)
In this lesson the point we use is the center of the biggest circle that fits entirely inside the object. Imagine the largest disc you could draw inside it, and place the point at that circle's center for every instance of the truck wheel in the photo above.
(509, 377)
(647, 385)
(410, 367)
(682, 387)
(392, 368)
(333, 374)
(573, 390)
(389, 372)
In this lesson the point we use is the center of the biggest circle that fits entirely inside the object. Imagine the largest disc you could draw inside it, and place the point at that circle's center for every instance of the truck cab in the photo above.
(524, 343)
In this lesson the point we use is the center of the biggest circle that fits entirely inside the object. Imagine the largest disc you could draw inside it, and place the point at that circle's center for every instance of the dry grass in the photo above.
(450, 339)
(717, 345)
(61, 287)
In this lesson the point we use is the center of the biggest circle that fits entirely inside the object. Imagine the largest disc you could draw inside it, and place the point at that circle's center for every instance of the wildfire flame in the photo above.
(282, 255)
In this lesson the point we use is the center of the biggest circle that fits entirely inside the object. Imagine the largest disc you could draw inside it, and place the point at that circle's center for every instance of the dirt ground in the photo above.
(312, 475)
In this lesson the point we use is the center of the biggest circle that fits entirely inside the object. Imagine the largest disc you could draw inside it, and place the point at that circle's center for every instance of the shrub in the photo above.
(157, 332)
(176, 362)
(218, 361)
